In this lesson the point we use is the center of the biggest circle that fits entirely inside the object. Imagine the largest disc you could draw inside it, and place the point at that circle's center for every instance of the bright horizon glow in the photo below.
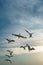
(22, 51)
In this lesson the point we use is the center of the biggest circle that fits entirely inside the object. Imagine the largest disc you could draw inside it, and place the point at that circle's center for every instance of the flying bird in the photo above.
(10, 52)
(8, 60)
(30, 34)
(29, 48)
(9, 56)
(10, 40)
(22, 47)
(19, 36)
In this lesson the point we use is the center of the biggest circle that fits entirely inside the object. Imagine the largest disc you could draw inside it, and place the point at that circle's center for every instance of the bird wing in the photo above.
(21, 47)
(27, 31)
(8, 50)
(11, 53)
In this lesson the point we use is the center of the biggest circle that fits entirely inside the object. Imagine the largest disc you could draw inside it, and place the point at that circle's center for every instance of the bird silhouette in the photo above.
(30, 34)
(11, 52)
(22, 47)
(19, 36)
(10, 40)
(29, 48)
(8, 60)
(9, 56)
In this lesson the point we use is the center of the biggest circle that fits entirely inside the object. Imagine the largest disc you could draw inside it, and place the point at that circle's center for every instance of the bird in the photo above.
(10, 52)
(29, 48)
(10, 40)
(30, 34)
(22, 47)
(8, 60)
(19, 36)
(9, 56)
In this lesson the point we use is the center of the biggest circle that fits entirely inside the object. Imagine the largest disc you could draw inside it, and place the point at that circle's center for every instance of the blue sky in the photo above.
(18, 15)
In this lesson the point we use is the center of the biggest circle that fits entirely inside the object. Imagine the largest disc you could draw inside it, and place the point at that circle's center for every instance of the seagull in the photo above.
(19, 36)
(8, 60)
(10, 52)
(22, 47)
(30, 34)
(9, 56)
(29, 48)
(10, 40)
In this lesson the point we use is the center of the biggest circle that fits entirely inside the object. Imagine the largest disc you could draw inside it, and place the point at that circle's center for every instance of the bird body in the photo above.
(10, 40)
(19, 36)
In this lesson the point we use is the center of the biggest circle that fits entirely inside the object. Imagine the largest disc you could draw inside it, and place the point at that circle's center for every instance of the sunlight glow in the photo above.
(22, 51)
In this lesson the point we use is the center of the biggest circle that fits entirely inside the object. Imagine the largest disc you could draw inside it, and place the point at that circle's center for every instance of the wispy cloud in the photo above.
(17, 15)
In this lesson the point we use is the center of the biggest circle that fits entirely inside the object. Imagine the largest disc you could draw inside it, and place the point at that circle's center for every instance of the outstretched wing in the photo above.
(12, 40)
(8, 50)
(30, 34)
(23, 37)
(27, 31)
(21, 47)
(8, 60)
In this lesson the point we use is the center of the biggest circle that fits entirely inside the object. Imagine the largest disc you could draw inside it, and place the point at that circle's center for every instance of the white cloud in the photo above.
(20, 51)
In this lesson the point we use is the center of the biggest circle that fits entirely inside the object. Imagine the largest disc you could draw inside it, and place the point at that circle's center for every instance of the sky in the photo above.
(18, 15)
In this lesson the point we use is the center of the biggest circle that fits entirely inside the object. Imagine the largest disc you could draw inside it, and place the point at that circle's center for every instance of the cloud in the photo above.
(20, 51)
(20, 10)
(19, 15)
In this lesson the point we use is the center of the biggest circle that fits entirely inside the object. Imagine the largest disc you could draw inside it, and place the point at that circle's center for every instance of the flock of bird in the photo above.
(24, 47)
(9, 56)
